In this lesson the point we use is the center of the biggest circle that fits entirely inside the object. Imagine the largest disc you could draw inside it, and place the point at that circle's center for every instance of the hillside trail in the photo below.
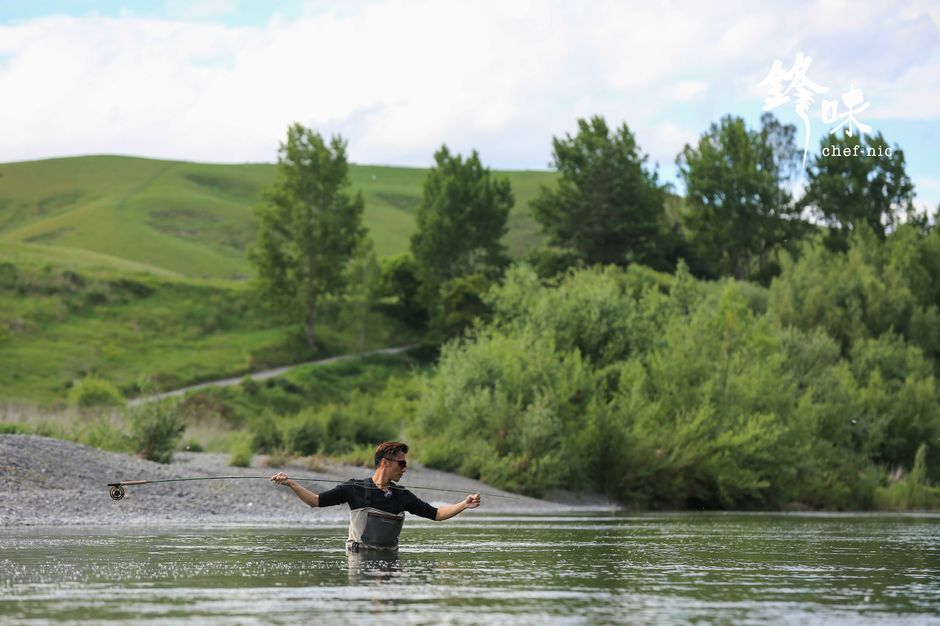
(262, 375)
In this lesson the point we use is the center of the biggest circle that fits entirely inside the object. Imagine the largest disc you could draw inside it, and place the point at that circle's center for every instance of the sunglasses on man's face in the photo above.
(401, 463)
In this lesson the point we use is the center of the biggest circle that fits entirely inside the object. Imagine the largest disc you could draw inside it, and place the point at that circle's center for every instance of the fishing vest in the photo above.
(372, 529)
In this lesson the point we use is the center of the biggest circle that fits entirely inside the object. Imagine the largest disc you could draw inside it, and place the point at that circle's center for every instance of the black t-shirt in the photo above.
(362, 493)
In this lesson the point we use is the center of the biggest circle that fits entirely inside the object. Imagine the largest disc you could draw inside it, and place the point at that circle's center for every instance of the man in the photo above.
(377, 504)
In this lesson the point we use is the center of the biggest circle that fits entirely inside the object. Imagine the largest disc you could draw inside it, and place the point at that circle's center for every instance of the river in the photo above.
(534, 569)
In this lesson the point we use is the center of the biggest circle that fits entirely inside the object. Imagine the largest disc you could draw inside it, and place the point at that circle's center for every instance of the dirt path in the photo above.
(263, 375)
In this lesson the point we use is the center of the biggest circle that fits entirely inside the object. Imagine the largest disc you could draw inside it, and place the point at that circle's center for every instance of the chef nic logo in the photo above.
(793, 85)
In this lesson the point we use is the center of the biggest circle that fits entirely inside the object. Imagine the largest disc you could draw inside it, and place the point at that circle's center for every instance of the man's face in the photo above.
(395, 469)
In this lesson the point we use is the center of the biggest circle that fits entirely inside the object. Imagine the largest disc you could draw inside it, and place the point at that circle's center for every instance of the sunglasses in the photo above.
(401, 463)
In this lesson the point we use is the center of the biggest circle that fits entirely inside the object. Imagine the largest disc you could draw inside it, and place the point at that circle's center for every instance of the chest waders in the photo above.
(372, 529)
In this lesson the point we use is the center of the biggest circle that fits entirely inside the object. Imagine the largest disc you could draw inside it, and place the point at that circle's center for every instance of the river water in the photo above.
(584, 569)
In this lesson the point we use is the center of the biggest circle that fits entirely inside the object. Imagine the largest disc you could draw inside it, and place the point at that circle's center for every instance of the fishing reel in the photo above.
(116, 492)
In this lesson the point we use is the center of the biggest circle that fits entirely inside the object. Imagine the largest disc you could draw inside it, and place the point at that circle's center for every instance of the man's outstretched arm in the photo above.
(310, 498)
(446, 512)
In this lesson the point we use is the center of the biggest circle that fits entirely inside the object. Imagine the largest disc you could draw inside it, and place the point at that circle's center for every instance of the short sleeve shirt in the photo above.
(365, 493)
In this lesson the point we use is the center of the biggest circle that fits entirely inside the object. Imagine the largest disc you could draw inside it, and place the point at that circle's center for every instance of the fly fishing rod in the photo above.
(117, 492)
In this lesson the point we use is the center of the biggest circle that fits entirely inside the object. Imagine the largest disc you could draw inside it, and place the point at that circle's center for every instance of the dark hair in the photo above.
(389, 448)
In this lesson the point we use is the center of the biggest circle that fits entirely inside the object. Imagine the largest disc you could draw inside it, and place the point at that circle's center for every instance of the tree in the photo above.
(309, 225)
(740, 213)
(461, 223)
(462, 302)
(857, 181)
(364, 284)
(400, 283)
(607, 207)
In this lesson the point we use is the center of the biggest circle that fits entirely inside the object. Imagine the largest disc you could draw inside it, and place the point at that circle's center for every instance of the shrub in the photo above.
(362, 455)
(266, 436)
(913, 491)
(688, 397)
(105, 434)
(249, 385)
(156, 429)
(304, 433)
(279, 458)
(92, 392)
(240, 451)
(193, 446)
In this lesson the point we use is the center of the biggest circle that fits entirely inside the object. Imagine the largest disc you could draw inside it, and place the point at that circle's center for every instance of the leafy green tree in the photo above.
(462, 302)
(364, 283)
(845, 192)
(400, 283)
(869, 290)
(740, 213)
(309, 225)
(461, 222)
(608, 208)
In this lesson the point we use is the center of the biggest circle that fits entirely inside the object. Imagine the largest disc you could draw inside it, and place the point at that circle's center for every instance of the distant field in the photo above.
(133, 270)
(139, 332)
(182, 219)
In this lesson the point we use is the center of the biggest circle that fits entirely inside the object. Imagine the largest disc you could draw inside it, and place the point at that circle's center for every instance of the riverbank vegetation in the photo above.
(738, 348)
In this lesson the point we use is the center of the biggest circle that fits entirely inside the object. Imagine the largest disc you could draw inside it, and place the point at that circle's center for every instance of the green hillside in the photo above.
(190, 219)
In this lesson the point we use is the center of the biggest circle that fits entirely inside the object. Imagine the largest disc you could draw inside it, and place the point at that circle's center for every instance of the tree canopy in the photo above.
(857, 180)
(608, 207)
(461, 222)
(309, 225)
(740, 212)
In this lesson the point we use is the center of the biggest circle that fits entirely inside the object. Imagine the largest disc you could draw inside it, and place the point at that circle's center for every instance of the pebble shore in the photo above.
(52, 482)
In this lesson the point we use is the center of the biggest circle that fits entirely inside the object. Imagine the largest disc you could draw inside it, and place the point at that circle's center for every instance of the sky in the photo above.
(221, 80)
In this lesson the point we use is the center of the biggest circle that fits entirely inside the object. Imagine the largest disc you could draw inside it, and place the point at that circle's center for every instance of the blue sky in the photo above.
(220, 80)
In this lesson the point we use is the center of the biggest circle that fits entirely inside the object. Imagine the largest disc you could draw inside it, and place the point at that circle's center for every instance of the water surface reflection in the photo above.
(656, 569)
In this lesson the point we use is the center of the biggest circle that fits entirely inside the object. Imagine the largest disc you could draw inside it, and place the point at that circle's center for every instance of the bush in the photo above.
(461, 302)
(104, 434)
(93, 392)
(156, 429)
(240, 453)
(305, 433)
(912, 492)
(249, 385)
(336, 428)
(279, 458)
(673, 394)
(361, 455)
(266, 436)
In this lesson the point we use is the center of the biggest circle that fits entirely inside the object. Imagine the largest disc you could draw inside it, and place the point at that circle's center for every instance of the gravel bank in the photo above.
(51, 482)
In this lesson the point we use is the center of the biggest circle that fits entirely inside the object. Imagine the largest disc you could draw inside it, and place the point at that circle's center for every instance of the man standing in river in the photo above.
(377, 505)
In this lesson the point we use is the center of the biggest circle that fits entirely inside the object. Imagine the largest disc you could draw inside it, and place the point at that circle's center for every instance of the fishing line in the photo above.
(117, 492)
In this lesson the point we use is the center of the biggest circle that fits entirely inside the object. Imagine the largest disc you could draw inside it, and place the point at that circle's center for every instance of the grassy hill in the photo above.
(142, 332)
(190, 219)
(133, 270)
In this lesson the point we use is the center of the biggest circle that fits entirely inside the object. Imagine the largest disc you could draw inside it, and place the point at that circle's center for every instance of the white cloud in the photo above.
(398, 78)
(690, 89)
(197, 9)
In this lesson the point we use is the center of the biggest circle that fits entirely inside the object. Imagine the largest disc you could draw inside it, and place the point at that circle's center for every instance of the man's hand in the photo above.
(446, 512)
(280, 478)
(309, 498)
